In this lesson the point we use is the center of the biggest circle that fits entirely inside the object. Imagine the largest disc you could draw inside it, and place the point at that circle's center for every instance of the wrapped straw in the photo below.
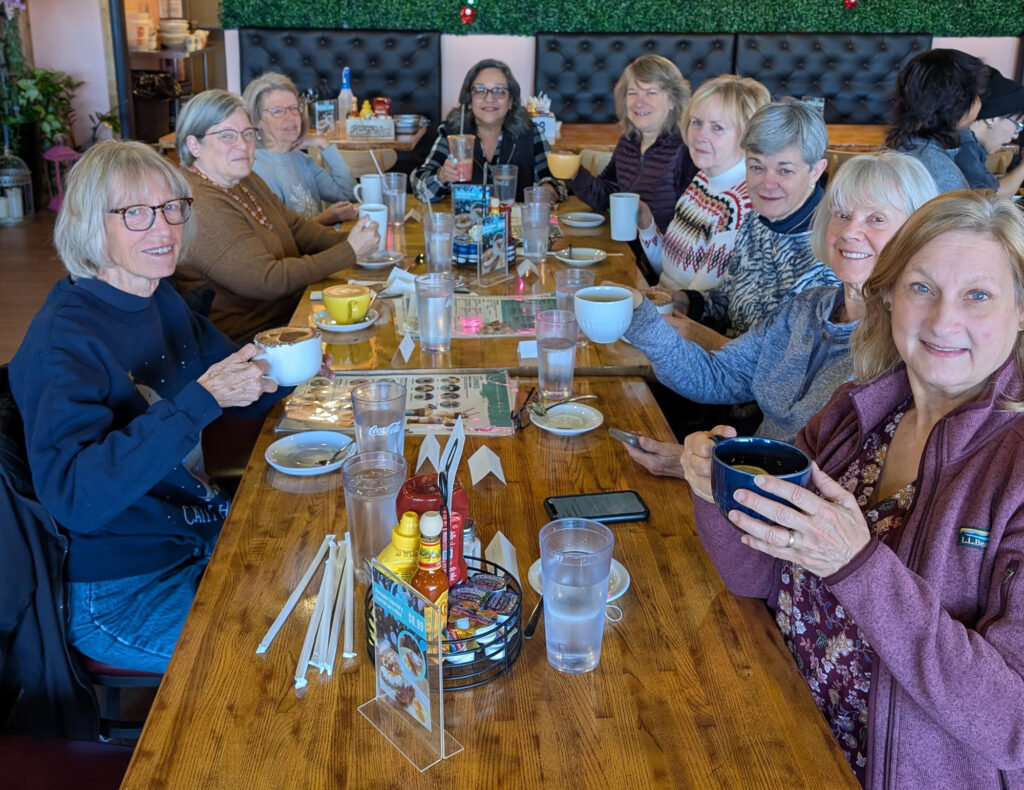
(341, 568)
(307, 646)
(294, 597)
(328, 593)
(348, 651)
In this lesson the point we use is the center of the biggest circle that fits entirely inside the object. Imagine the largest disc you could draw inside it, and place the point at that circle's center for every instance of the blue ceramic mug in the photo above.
(736, 462)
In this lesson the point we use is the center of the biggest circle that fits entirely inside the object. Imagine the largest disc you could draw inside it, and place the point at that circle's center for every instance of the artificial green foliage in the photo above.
(527, 17)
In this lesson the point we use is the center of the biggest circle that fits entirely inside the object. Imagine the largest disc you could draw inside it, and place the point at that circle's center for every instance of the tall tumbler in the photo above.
(535, 231)
(372, 481)
(435, 303)
(575, 559)
(438, 235)
(504, 178)
(378, 410)
(395, 185)
(556, 353)
(567, 283)
(461, 148)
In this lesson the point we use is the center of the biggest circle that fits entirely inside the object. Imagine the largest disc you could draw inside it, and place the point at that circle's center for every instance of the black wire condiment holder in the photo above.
(497, 646)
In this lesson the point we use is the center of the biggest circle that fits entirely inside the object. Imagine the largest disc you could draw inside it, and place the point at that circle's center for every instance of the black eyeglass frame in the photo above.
(152, 213)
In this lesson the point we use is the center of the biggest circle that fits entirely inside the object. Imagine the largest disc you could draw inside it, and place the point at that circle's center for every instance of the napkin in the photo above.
(501, 552)
(406, 347)
(527, 349)
(430, 450)
(485, 462)
(400, 282)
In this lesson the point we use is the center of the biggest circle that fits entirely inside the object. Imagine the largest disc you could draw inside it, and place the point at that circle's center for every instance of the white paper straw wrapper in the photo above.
(294, 597)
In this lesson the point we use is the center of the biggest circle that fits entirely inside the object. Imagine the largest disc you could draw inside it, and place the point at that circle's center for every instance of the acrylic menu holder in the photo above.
(408, 709)
(492, 253)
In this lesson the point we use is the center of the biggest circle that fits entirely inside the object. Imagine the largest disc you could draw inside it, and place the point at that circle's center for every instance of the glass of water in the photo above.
(378, 411)
(504, 177)
(395, 186)
(438, 234)
(535, 231)
(435, 302)
(556, 353)
(575, 558)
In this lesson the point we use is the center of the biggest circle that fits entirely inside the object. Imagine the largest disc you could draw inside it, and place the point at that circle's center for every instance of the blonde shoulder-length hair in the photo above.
(965, 211)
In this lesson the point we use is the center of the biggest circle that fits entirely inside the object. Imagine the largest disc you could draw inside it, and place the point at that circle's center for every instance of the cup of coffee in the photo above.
(377, 212)
(293, 353)
(624, 208)
(563, 164)
(735, 463)
(604, 312)
(347, 304)
(369, 189)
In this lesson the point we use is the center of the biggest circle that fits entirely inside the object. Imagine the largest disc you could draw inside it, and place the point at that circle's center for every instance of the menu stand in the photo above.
(408, 709)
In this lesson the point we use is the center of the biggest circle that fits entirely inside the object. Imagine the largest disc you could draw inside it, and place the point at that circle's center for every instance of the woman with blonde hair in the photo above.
(893, 577)
(650, 158)
(693, 251)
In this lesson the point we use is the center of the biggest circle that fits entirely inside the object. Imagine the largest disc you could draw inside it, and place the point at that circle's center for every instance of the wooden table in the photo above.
(603, 137)
(376, 348)
(695, 687)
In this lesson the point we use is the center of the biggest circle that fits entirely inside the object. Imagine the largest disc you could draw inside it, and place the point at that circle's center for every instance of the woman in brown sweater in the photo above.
(254, 254)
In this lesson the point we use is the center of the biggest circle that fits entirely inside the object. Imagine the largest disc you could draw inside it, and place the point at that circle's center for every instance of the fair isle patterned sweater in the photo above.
(695, 249)
(771, 262)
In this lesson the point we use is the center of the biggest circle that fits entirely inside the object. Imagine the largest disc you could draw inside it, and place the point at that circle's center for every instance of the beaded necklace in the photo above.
(254, 208)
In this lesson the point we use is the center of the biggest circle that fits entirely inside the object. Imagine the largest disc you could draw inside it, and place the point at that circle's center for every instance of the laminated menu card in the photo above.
(469, 204)
(492, 260)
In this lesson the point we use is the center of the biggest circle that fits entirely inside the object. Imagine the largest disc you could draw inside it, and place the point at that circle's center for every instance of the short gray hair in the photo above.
(779, 125)
(110, 175)
(256, 92)
(887, 178)
(203, 111)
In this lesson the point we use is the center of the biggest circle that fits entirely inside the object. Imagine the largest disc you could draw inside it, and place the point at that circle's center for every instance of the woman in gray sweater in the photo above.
(791, 362)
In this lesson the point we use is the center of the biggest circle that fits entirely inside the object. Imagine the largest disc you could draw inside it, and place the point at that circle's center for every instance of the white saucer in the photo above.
(581, 256)
(569, 419)
(618, 579)
(581, 219)
(300, 453)
(328, 324)
(381, 259)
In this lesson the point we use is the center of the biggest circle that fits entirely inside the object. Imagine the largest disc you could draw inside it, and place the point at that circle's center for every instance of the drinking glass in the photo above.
(504, 178)
(438, 234)
(535, 231)
(461, 148)
(567, 283)
(556, 353)
(372, 481)
(435, 302)
(395, 185)
(535, 195)
(378, 410)
(575, 557)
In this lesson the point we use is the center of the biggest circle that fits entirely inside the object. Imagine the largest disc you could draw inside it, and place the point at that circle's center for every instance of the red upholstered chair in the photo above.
(53, 764)
(110, 681)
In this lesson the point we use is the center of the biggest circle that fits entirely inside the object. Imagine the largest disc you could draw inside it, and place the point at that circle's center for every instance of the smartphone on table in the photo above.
(607, 507)
(632, 439)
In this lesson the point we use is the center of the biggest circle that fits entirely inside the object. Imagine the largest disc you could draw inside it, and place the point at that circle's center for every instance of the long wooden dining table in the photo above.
(694, 689)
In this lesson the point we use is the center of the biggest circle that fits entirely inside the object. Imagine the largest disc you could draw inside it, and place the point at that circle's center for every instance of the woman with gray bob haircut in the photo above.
(207, 109)
(784, 124)
(113, 441)
(274, 107)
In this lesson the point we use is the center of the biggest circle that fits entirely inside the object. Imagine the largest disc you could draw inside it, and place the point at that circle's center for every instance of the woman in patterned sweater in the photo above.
(694, 250)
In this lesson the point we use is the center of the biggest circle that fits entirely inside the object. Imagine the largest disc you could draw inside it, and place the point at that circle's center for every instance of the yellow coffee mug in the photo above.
(563, 164)
(347, 304)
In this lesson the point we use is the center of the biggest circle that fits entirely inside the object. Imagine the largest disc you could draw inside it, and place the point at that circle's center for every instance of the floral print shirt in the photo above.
(833, 655)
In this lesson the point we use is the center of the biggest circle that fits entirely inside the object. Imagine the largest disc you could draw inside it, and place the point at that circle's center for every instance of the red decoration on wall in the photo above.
(849, 3)
(467, 15)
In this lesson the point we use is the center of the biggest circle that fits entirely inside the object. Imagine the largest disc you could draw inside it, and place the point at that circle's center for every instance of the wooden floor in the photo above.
(28, 269)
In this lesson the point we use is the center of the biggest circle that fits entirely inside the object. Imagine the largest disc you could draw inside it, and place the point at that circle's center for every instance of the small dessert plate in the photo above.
(323, 320)
(381, 259)
(581, 219)
(618, 579)
(569, 419)
(309, 453)
(581, 256)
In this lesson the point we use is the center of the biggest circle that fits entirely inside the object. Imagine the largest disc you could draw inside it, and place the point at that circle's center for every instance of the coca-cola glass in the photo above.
(378, 410)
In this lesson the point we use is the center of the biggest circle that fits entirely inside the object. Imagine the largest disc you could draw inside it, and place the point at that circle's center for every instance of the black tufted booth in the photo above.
(853, 73)
(579, 70)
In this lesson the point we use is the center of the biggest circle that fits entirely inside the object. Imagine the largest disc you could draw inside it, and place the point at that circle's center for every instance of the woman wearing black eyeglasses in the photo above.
(272, 102)
(490, 108)
(253, 253)
(115, 380)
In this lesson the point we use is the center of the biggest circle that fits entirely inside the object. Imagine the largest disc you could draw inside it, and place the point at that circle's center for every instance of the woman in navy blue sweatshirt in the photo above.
(115, 380)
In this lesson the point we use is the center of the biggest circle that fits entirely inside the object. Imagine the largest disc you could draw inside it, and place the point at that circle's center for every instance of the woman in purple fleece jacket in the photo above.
(894, 580)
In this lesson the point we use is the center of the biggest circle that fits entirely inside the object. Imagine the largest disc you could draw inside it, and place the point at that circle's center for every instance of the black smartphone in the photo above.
(607, 507)
(632, 439)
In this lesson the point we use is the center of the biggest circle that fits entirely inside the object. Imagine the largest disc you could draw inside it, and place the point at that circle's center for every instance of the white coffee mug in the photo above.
(369, 189)
(378, 212)
(294, 353)
(625, 210)
(603, 312)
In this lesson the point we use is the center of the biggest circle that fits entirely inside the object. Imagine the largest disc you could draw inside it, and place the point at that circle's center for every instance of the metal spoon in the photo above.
(540, 409)
(531, 624)
(346, 450)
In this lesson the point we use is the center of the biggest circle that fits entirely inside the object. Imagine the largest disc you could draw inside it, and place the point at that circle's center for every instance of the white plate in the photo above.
(381, 259)
(581, 219)
(569, 419)
(581, 256)
(618, 579)
(300, 453)
(323, 320)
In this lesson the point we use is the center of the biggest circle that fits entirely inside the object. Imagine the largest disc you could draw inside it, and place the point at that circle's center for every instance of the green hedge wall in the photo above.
(526, 17)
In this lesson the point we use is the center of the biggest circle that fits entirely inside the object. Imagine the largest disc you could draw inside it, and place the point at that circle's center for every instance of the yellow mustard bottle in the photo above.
(401, 556)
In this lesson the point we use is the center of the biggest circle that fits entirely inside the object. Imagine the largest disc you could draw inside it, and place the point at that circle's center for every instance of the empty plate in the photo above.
(581, 256)
(309, 453)
(618, 579)
(380, 259)
(569, 419)
(323, 320)
(581, 219)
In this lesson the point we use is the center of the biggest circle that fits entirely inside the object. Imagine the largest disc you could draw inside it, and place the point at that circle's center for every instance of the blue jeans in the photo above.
(134, 623)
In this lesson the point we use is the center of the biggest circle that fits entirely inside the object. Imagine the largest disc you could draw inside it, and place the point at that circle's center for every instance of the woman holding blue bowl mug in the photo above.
(893, 578)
